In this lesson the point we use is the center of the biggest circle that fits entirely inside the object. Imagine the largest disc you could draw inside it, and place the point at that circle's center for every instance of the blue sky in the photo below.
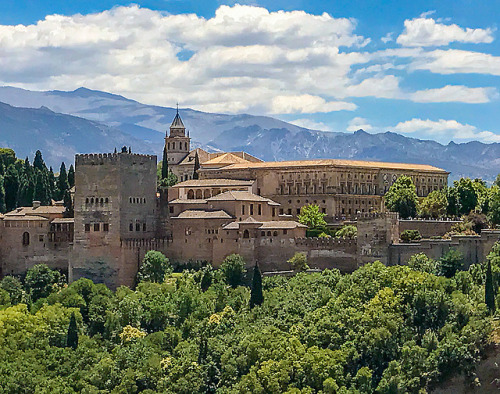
(427, 69)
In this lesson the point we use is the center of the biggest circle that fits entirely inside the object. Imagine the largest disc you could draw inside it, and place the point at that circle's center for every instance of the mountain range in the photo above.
(64, 123)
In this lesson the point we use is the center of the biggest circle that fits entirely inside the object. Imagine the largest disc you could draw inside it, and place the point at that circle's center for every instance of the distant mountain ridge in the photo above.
(122, 121)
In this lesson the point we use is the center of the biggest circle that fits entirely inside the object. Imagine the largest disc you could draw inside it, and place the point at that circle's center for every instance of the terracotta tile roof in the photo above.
(226, 158)
(63, 220)
(236, 195)
(213, 183)
(335, 162)
(187, 201)
(24, 217)
(268, 225)
(203, 156)
(42, 210)
(199, 214)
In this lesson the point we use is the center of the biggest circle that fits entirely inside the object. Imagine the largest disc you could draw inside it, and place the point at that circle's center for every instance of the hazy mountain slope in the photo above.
(264, 137)
(59, 136)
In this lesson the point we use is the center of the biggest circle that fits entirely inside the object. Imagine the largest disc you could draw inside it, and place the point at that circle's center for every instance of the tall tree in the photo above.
(2, 195)
(489, 290)
(466, 195)
(154, 267)
(402, 197)
(11, 184)
(42, 188)
(196, 166)
(62, 182)
(68, 204)
(52, 184)
(71, 175)
(311, 216)
(38, 162)
(434, 205)
(164, 164)
(72, 338)
(256, 295)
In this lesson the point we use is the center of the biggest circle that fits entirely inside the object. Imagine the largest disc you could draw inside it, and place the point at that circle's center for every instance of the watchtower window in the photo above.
(144, 227)
(105, 227)
(137, 227)
(96, 226)
(251, 209)
(130, 227)
(26, 238)
(246, 234)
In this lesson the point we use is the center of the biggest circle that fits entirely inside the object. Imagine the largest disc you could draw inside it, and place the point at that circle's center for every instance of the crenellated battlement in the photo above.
(325, 242)
(110, 158)
(377, 215)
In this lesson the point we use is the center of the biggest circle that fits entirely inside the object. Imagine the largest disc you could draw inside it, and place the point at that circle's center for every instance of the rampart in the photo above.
(428, 228)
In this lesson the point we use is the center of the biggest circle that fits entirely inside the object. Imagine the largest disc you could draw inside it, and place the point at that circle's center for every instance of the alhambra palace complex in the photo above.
(238, 204)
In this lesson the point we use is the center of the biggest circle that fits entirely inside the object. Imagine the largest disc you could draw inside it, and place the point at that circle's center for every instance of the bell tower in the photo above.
(177, 144)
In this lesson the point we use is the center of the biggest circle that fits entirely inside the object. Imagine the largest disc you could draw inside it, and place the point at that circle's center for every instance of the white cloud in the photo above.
(311, 124)
(421, 32)
(359, 123)
(455, 93)
(445, 130)
(427, 13)
(245, 58)
(387, 38)
(453, 61)
(307, 104)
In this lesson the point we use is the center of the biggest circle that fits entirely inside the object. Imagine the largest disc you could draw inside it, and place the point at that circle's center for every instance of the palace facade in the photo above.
(225, 202)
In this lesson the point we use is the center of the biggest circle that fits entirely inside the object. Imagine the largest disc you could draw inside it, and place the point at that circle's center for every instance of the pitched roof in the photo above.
(213, 183)
(63, 220)
(200, 214)
(24, 217)
(269, 225)
(42, 210)
(177, 122)
(335, 162)
(188, 201)
(203, 156)
(225, 159)
(236, 195)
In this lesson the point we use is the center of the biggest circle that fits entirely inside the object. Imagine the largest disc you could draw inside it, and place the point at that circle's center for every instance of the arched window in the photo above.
(26, 238)
(199, 194)
(190, 194)
(275, 233)
(246, 234)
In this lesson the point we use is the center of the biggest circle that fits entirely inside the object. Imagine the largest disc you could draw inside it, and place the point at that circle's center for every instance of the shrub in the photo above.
(410, 235)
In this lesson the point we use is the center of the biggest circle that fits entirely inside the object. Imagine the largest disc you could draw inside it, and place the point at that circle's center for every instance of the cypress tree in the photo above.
(26, 191)
(196, 166)
(489, 291)
(164, 164)
(256, 295)
(11, 184)
(68, 203)
(38, 162)
(2, 195)
(52, 184)
(71, 175)
(42, 189)
(72, 338)
(62, 182)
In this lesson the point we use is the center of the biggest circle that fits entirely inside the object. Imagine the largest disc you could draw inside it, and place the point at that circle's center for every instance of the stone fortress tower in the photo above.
(115, 203)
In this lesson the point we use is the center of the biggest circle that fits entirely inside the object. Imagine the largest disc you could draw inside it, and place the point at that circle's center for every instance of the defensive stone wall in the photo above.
(428, 228)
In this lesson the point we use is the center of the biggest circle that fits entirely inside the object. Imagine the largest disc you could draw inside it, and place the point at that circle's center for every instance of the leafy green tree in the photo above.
(256, 295)
(466, 195)
(68, 204)
(13, 286)
(476, 221)
(420, 262)
(7, 156)
(169, 181)
(410, 235)
(311, 216)
(72, 337)
(489, 290)
(450, 263)
(71, 176)
(497, 181)
(299, 262)
(481, 190)
(40, 281)
(154, 267)
(233, 270)
(402, 197)
(494, 205)
(434, 205)
(453, 198)
(348, 232)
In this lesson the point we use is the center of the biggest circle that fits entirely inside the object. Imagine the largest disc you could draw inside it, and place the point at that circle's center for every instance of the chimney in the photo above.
(36, 204)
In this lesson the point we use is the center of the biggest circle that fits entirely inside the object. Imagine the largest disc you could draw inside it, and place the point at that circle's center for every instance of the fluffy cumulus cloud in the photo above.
(422, 32)
(455, 93)
(445, 130)
(245, 58)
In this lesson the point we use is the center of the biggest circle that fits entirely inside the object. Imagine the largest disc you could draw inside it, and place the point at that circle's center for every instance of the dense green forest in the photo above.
(21, 182)
(384, 329)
